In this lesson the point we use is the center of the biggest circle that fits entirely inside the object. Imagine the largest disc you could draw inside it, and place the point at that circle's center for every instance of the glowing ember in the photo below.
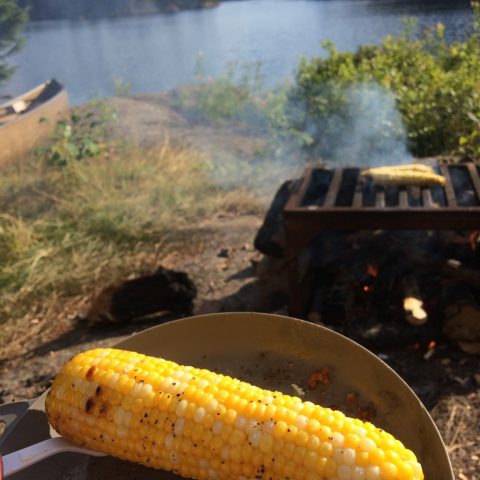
(416, 315)
(366, 288)
(432, 344)
(473, 238)
(372, 269)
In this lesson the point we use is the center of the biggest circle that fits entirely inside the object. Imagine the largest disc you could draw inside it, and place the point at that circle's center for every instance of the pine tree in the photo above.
(12, 21)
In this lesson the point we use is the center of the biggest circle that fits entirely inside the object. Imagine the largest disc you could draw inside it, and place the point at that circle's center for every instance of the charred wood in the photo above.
(163, 291)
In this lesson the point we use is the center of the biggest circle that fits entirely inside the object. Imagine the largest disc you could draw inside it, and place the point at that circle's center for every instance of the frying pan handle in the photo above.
(10, 414)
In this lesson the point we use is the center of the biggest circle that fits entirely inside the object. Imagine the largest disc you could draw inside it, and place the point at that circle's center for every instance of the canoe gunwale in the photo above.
(22, 133)
(40, 89)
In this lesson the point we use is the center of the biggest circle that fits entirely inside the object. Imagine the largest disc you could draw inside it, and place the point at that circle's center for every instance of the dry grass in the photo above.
(63, 231)
(458, 420)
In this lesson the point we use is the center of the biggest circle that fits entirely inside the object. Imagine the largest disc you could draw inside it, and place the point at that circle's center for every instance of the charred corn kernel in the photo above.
(204, 425)
(405, 175)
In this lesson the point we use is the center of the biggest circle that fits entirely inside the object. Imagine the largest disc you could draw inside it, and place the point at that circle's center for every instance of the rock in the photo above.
(270, 239)
(224, 253)
(472, 348)
(462, 325)
(209, 306)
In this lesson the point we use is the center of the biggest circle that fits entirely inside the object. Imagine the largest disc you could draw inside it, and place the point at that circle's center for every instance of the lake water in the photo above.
(160, 52)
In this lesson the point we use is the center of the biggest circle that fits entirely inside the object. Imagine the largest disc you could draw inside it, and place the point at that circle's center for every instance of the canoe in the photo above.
(21, 119)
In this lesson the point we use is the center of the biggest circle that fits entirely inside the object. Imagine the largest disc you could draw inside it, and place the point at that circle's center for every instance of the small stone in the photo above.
(224, 252)
(209, 306)
(454, 263)
(461, 381)
(429, 354)
(472, 348)
(314, 317)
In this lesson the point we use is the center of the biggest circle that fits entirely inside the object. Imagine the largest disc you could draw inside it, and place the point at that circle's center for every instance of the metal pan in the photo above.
(270, 351)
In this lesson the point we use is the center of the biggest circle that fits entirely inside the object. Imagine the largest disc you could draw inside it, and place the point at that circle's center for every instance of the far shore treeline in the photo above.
(89, 9)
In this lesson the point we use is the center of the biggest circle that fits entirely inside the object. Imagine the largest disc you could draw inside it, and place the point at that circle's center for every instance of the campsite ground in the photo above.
(229, 276)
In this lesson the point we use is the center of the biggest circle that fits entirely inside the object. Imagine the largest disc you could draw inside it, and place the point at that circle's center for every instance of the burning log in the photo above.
(412, 302)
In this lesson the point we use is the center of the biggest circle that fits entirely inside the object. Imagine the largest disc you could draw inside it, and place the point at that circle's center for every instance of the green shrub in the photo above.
(80, 136)
(434, 85)
(12, 22)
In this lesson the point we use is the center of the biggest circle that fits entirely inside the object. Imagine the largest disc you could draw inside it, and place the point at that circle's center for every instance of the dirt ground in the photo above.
(230, 276)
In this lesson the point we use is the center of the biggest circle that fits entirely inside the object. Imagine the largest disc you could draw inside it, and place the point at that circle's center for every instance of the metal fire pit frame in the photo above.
(303, 223)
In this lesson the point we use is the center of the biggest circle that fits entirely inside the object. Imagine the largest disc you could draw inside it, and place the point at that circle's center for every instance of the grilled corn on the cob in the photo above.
(413, 167)
(201, 425)
(405, 175)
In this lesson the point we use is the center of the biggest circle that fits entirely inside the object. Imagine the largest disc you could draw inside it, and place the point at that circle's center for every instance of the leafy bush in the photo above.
(80, 136)
(434, 85)
(12, 22)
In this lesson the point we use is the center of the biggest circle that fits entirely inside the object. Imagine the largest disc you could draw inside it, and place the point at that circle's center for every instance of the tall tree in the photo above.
(12, 22)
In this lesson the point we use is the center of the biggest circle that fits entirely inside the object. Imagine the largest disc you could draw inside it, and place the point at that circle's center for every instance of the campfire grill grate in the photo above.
(344, 200)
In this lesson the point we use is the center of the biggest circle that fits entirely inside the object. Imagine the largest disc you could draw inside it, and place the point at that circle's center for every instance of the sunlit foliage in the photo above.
(12, 22)
(435, 86)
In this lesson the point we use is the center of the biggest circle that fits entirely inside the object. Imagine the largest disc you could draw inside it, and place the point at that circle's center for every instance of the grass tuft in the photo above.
(65, 231)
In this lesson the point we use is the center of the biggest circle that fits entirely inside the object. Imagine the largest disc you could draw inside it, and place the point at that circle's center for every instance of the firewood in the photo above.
(163, 291)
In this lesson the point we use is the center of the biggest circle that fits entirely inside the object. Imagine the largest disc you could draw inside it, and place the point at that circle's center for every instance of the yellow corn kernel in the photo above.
(404, 176)
(204, 425)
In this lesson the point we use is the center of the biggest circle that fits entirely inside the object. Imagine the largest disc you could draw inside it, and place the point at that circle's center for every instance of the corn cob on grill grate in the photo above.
(405, 175)
(201, 425)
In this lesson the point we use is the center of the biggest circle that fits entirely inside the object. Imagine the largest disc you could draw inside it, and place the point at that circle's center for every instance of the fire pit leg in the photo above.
(294, 288)
(294, 244)
(298, 235)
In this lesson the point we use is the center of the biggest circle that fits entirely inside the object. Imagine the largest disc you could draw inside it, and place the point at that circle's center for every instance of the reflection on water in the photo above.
(159, 52)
